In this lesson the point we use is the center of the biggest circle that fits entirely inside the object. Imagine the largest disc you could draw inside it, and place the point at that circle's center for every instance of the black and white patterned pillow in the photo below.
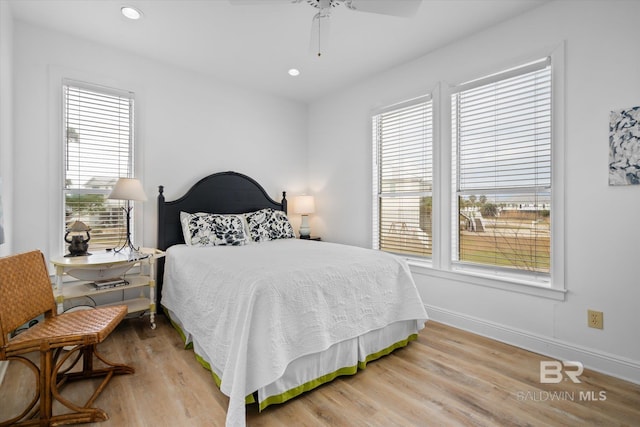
(204, 229)
(230, 230)
(280, 227)
(258, 223)
(269, 224)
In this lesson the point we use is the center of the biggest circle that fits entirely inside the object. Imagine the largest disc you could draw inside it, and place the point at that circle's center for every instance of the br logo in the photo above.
(553, 372)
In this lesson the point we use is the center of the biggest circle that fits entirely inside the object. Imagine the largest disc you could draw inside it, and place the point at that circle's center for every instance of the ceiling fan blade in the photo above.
(403, 8)
(320, 28)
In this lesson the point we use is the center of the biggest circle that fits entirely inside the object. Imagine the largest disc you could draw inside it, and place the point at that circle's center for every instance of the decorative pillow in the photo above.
(184, 221)
(269, 224)
(258, 223)
(204, 229)
(280, 226)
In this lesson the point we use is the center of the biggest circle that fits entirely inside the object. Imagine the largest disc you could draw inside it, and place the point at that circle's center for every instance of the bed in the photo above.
(273, 316)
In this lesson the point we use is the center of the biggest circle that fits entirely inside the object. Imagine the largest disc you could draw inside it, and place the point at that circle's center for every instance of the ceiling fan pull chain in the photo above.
(319, 33)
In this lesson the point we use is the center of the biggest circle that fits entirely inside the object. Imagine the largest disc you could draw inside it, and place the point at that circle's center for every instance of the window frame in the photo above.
(441, 265)
(510, 186)
(59, 78)
(378, 194)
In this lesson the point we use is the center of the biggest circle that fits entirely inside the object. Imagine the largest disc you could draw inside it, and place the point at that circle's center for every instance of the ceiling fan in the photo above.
(320, 21)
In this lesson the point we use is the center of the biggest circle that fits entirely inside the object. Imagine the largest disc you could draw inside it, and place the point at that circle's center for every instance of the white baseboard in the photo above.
(4, 364)
(596, 360)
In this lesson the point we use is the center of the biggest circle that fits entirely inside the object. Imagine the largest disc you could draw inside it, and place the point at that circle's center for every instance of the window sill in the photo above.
(425, 268)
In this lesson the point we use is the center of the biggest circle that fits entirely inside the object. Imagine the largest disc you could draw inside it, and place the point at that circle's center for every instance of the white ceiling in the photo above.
(255, 45)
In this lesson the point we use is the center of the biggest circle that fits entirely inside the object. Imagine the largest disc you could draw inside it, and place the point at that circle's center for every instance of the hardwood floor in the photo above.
(446, 377)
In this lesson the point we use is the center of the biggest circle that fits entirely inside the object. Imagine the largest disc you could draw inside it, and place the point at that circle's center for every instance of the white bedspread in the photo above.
(265, 305)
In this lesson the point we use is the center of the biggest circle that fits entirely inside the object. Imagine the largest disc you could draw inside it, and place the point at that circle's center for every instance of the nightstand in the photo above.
(108, 271)
(316, 238)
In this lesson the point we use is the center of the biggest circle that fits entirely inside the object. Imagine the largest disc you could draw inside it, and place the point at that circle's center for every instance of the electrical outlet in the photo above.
(595, 319)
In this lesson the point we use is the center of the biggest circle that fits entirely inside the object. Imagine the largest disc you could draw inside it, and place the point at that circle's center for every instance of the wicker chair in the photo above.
(25, 293)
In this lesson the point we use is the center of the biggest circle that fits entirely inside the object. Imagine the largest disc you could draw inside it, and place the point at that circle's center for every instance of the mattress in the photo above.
(280, 317)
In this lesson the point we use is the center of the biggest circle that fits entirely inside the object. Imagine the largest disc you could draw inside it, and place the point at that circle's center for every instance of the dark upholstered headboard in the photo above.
(222, 193)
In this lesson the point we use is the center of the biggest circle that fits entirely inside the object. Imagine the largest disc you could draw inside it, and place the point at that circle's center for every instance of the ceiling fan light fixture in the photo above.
(131, 12)
(324, 4)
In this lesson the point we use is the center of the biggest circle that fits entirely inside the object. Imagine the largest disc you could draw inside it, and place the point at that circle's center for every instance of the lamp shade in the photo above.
(304, 205)
(78, 227)
(128, 189)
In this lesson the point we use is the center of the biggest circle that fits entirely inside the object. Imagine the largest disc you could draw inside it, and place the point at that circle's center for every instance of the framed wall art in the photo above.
(624, 147)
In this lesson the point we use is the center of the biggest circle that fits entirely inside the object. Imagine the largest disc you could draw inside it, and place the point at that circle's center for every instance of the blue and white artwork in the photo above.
(624, 147)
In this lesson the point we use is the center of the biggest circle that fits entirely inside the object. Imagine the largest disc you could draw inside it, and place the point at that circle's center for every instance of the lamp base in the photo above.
(127, 243)
(305, 230)
(70, 255)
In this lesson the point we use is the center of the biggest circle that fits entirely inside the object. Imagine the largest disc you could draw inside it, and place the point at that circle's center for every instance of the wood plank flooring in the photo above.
(447, 377)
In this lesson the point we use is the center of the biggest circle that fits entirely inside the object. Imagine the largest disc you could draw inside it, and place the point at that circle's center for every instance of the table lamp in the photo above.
(128, 189)
(304, 205)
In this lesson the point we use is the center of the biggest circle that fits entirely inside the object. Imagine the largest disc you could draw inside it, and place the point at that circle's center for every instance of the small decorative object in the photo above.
(79, 243)
(128, 189)
(304, 205)
(624, 147)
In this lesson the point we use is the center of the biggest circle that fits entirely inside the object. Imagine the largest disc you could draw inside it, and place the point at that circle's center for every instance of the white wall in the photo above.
(602, 228)
(188, 125)
(6, 124)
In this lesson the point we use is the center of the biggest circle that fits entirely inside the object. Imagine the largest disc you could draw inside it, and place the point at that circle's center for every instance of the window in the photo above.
(98, 149)
(487, 207)
(403, 170)
(501, 163)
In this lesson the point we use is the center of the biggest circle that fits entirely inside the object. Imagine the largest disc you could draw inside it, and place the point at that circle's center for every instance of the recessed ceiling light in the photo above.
(131, 12)
(294, 72)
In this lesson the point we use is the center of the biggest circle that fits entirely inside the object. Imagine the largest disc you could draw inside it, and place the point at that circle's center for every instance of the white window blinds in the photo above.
(501, 128)
(98, 149)
(403, 169)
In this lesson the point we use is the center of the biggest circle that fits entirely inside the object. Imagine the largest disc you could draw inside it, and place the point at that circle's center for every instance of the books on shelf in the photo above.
(109, 283)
